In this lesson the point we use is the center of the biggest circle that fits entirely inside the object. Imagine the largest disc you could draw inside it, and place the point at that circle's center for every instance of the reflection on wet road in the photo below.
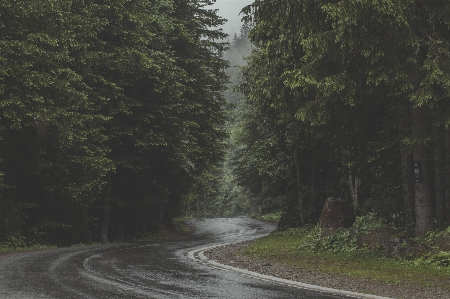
(161, 270)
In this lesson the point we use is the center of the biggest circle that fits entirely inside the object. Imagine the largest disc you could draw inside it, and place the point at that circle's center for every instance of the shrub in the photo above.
(344, 239)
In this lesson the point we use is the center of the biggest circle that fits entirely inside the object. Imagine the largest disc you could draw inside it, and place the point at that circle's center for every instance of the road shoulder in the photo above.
(226, 257)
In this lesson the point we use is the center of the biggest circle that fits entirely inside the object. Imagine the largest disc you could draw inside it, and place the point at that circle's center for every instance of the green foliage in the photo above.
(106, 107)
(356, 264)
(180, 225)
(367, 223)
(344, 240)
(331, 94)
(7, 248)
(16, 240)
(273, 217)
(292, 232)
(434, 257)
(431, 236)
(440, 259)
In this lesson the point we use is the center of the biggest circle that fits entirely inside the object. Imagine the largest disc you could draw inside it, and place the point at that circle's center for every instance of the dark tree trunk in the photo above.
(106, 214)
(121, 229)
(161, 213)
(204, 206)
(354, 182)
(85, 229)
(198, 208)
(312, 203)
(406, 162)
(439, 175)
(299, 193)
(422, 199)
(447, 175)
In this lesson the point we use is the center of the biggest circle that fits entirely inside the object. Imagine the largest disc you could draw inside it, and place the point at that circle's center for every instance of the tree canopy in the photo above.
(351, 98)
(109, 110)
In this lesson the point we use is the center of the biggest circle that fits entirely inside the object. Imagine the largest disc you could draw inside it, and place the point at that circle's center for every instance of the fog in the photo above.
(230, 9)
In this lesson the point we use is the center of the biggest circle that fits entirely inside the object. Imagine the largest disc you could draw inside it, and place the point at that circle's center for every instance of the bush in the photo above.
(273, 217)
(290, 232)
(344, 239)
(441, 259)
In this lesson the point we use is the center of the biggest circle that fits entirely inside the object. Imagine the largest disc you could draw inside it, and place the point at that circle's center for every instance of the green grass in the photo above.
(272, 217)
(6, 248)
(359, 264)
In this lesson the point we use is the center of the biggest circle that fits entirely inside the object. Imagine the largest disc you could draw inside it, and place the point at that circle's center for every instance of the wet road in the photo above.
(161, 270)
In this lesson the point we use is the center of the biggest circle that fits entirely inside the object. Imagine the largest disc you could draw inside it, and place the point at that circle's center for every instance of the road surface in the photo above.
(161, 270)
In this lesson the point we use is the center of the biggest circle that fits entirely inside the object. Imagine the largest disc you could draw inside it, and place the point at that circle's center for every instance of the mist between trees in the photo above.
(117, 116)
(344, 99)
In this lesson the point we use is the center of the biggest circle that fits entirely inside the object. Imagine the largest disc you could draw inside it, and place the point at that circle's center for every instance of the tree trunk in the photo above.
(161, 213)
(106, 214)
(354, 182)
(422, 199)
(447, 175)
(121, 230)
(313, 185)
(406, 162)
(198, 208)
(299, 193)
(439, 176)
(204, 206)
(85, 229)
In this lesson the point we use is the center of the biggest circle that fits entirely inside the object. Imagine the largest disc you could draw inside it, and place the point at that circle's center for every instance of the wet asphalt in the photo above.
(161, 270)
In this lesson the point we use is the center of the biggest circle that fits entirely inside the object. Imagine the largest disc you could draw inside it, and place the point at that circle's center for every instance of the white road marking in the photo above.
(204, 260)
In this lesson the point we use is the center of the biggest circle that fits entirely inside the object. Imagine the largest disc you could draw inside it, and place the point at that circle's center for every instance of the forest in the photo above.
(109, 111)
(345, 99)
(116, 116)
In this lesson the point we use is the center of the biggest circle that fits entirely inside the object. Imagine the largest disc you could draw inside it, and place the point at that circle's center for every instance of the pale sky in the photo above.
(229, 9)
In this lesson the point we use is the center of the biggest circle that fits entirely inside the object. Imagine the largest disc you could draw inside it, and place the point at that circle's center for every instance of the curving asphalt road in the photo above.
(161, 270)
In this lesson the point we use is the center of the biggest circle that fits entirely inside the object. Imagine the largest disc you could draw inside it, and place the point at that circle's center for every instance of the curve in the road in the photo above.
(89, 269)
(198, 255)
(158, 270)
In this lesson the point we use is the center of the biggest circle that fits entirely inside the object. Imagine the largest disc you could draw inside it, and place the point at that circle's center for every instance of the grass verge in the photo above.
(363, 264)
(7, 248)
(271, 217)
(176, 230)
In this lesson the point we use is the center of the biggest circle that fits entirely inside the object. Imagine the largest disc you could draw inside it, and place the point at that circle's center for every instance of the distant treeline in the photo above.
(109, 111)
(346, 99)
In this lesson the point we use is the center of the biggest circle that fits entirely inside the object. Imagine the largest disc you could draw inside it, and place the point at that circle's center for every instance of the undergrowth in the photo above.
(339, 253)
(18, 243)
(344, 239)
(272, 217)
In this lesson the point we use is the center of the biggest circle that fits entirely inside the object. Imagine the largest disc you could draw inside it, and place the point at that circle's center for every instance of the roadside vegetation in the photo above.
(14, 247)
(271, 217)
(178, 228)
(349, 100)
(343, 253)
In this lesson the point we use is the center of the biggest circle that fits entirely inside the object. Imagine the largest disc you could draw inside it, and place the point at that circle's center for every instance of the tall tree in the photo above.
(356, 60)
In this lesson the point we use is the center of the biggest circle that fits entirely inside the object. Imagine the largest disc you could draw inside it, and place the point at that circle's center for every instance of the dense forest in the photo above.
(346, 99)
(110, 111)
(118, 115)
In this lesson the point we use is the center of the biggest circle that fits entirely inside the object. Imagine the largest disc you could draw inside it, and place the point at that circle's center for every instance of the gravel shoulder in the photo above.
(228, 255)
